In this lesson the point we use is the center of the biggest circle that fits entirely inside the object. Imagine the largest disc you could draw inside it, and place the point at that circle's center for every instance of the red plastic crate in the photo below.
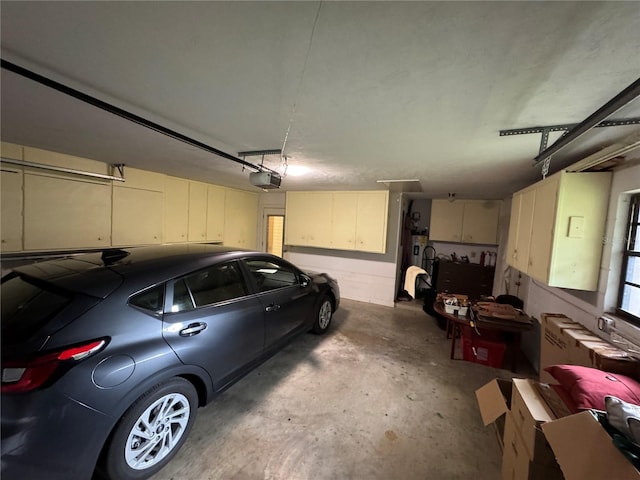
(484, 352)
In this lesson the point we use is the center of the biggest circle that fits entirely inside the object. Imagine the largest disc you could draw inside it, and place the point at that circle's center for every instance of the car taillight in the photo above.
(23, 376)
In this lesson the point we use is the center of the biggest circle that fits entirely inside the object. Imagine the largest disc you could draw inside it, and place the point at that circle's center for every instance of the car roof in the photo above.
(100, 273)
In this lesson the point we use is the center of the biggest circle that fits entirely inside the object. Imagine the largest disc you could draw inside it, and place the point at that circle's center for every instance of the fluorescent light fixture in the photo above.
(627, 145)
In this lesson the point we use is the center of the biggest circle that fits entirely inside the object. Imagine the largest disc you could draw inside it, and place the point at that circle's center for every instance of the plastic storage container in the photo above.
(483, 351)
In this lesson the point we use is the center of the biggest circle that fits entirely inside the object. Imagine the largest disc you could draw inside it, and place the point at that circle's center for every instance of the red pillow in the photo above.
(587, 387)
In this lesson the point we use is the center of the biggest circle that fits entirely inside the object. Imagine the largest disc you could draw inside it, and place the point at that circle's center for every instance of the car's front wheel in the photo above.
(152, 431)
(323, 316)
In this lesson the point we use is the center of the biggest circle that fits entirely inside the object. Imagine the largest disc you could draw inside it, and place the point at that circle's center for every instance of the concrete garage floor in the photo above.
(377, 397)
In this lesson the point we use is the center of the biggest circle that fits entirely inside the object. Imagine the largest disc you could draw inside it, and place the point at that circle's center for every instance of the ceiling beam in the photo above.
(616, 103)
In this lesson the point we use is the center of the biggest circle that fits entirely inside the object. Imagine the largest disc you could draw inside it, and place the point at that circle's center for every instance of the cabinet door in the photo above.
(514, 220)
(579, 230)
(480, 222)
(524, 230)
(137, 217)
(197, 212)
(446, 220)
(344, 217)
(215, 213)
(308, 219)
(11, 210)
(176, 210)
(240, 219)
(295, 226)
(542, 229)
(371, 225)
(63, 213)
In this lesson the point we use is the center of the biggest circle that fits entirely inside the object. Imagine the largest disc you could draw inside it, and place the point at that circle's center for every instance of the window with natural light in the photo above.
(629, 294)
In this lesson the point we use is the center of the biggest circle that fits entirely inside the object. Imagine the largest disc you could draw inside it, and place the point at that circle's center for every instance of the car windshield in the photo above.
(26, 307)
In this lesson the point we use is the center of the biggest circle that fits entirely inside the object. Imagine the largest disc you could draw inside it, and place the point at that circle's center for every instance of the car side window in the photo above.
(182, 299)
(216, 284)
(151, 299)
(271, 275)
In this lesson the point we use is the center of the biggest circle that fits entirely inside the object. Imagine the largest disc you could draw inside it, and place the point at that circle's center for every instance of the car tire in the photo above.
(136, 454)
(323, 316)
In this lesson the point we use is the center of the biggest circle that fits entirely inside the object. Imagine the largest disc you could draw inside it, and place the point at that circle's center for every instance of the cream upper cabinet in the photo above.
(520, 229)
(65, 213)
(446, 220)
(11, 210)
(176, 210)
(308, 219)
(338, 220)
(197, 212)
(240, 219)
(371, 224)
(480, 221)
(344, 220)
(215, 213)
(137, 209)
(564, 216)
(465, 221)
(137, 217)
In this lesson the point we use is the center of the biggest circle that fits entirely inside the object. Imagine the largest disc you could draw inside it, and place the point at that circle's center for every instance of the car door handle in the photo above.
(192, 329)
(274, 307)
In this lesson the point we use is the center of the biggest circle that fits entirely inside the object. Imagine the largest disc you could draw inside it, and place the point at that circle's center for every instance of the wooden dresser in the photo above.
(467, 278)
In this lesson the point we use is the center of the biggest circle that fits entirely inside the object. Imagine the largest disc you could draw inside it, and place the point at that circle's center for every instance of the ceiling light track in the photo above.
(132, 117)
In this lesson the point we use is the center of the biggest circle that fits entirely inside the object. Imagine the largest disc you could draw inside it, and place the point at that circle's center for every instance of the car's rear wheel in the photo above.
(152, 431)
(323, 316)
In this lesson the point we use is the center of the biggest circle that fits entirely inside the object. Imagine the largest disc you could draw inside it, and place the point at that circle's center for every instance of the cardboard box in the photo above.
(494, 400)
(516, 463)
(604, 356)
(565, 342)
(582, 448)
(526, 454)
(554, 345)
(529, 411)
(585, 451)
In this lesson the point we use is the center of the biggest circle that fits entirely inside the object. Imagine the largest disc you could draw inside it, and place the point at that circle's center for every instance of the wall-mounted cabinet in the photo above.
(56, 213)
(465, 221)
(215, 213)
(557, 228)
(197, 212)
(11, 213)
(240, 219)
(46, 210)
(308, 219)
(137, 209)
(338, 220)
(176, 210)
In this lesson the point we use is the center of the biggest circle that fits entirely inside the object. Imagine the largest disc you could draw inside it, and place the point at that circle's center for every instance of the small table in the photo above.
(513, 328)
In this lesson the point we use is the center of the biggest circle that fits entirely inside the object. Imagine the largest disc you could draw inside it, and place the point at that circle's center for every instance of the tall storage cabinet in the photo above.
(557, 228)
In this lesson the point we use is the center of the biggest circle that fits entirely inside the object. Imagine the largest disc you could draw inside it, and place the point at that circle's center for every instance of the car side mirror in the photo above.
(304, 280)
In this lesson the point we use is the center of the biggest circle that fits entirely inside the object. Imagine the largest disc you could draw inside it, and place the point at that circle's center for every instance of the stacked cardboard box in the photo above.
(525, 451)
(565, 342)
(542, 441)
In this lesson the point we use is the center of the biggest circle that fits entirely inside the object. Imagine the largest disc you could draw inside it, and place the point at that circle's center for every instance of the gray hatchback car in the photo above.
(107, 356)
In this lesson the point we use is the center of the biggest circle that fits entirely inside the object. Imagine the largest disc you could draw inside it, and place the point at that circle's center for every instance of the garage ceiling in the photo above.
(360, 91)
